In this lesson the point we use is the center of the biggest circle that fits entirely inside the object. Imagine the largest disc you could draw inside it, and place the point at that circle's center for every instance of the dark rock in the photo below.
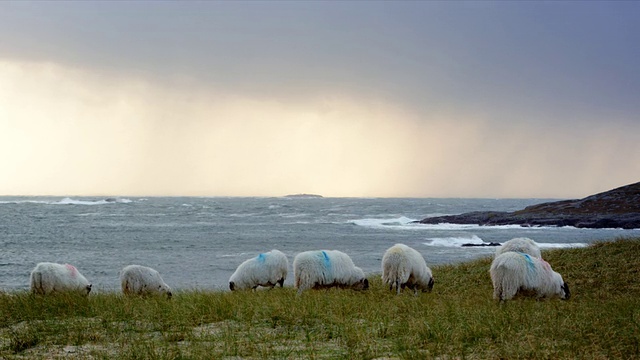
(617, 208)
(481, 245)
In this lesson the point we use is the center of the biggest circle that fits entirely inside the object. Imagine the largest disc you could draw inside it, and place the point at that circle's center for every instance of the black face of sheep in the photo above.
(430, 285)
(232, 285)
(360, 285)
(567, 293)
(88, 289)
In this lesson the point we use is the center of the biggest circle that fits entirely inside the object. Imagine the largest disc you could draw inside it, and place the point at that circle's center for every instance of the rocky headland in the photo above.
(617, 208)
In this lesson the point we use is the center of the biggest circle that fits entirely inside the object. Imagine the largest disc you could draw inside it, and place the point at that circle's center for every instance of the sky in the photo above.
(343, 99)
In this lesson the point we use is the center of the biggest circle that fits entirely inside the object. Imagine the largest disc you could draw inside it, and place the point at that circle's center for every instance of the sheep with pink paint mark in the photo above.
(403, 266)
(267, 270)
(48, 278)
(516, 272)
(522, 244)
(327, 268)
(143, 280)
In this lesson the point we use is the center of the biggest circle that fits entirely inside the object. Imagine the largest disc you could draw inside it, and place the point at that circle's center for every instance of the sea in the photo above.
(196, 243)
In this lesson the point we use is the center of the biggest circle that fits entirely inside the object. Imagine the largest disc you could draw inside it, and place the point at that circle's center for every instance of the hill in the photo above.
(617, 208)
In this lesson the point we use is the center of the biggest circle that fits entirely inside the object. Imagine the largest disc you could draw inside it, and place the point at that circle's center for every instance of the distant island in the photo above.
(617, 208)
(304, 196)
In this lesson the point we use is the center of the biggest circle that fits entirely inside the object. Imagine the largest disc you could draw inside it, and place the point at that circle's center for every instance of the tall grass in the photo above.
(459, 319)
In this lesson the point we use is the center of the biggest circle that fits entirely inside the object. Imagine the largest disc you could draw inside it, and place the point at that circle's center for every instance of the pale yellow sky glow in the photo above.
(66, 131)
(343, 99)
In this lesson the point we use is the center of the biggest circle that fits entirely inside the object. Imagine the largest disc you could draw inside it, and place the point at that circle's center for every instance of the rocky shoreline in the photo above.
(617, 208)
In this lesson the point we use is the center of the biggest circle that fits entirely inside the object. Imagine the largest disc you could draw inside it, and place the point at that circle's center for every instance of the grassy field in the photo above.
(459, 319)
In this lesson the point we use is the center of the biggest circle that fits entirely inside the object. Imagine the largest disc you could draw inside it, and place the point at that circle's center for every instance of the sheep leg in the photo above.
(281, 282)
(497, 290)
(508, 291)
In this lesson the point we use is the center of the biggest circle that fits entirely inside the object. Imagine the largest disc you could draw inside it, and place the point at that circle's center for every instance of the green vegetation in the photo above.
(459, 319)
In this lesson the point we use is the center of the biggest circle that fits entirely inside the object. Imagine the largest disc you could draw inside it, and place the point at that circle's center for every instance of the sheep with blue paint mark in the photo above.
(403, 266)
(47, 278)
(327, 268)
(516, 272)
(267, 270)
(522, 244)
(143, 280)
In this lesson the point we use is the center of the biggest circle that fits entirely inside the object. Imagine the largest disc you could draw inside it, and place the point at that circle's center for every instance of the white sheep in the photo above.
(514, 272)
(47, 278)
(523, 245)
(403, 267)
(327, 268)
(142, 280)
(266, 269)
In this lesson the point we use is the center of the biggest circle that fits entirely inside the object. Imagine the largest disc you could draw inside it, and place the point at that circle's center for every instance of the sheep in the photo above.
(325, 269)
(403, 267)
(514, 272)
(47, 278)
(267, 269)
(142, 280)
(523, 245)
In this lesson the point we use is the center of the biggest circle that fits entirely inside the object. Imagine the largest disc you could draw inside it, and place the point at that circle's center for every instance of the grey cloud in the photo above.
(555, 61)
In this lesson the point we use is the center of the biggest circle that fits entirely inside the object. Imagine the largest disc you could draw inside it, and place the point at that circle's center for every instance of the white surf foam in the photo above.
(454, 241)
(15, 202)
(561, 245)
(405, 223)
(395, 223)
(70, 201)
(458, 241)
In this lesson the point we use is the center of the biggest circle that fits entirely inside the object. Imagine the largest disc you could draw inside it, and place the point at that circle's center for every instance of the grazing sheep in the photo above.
(142, 280)
(47, 278)
(267, 269)
(327, 268)
(523, 245)
(403, 267)
(514, 272)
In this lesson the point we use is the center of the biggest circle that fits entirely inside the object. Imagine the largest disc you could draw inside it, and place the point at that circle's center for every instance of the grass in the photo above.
(459, 319)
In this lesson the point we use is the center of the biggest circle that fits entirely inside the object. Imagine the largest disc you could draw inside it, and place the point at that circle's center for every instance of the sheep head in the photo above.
(431, 282)
(565, 291)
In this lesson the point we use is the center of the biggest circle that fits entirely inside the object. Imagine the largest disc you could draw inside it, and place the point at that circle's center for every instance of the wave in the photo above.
(561, 245)
(405, 223)
(455, 241)
(476, 242)
(70, 201)
(397, 223)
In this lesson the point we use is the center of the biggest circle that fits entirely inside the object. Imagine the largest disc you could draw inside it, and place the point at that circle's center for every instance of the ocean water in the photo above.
(197, 243)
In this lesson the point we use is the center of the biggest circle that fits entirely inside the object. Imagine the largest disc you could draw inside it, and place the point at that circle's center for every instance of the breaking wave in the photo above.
(405, 223)
(70, 201)
(476, 241)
